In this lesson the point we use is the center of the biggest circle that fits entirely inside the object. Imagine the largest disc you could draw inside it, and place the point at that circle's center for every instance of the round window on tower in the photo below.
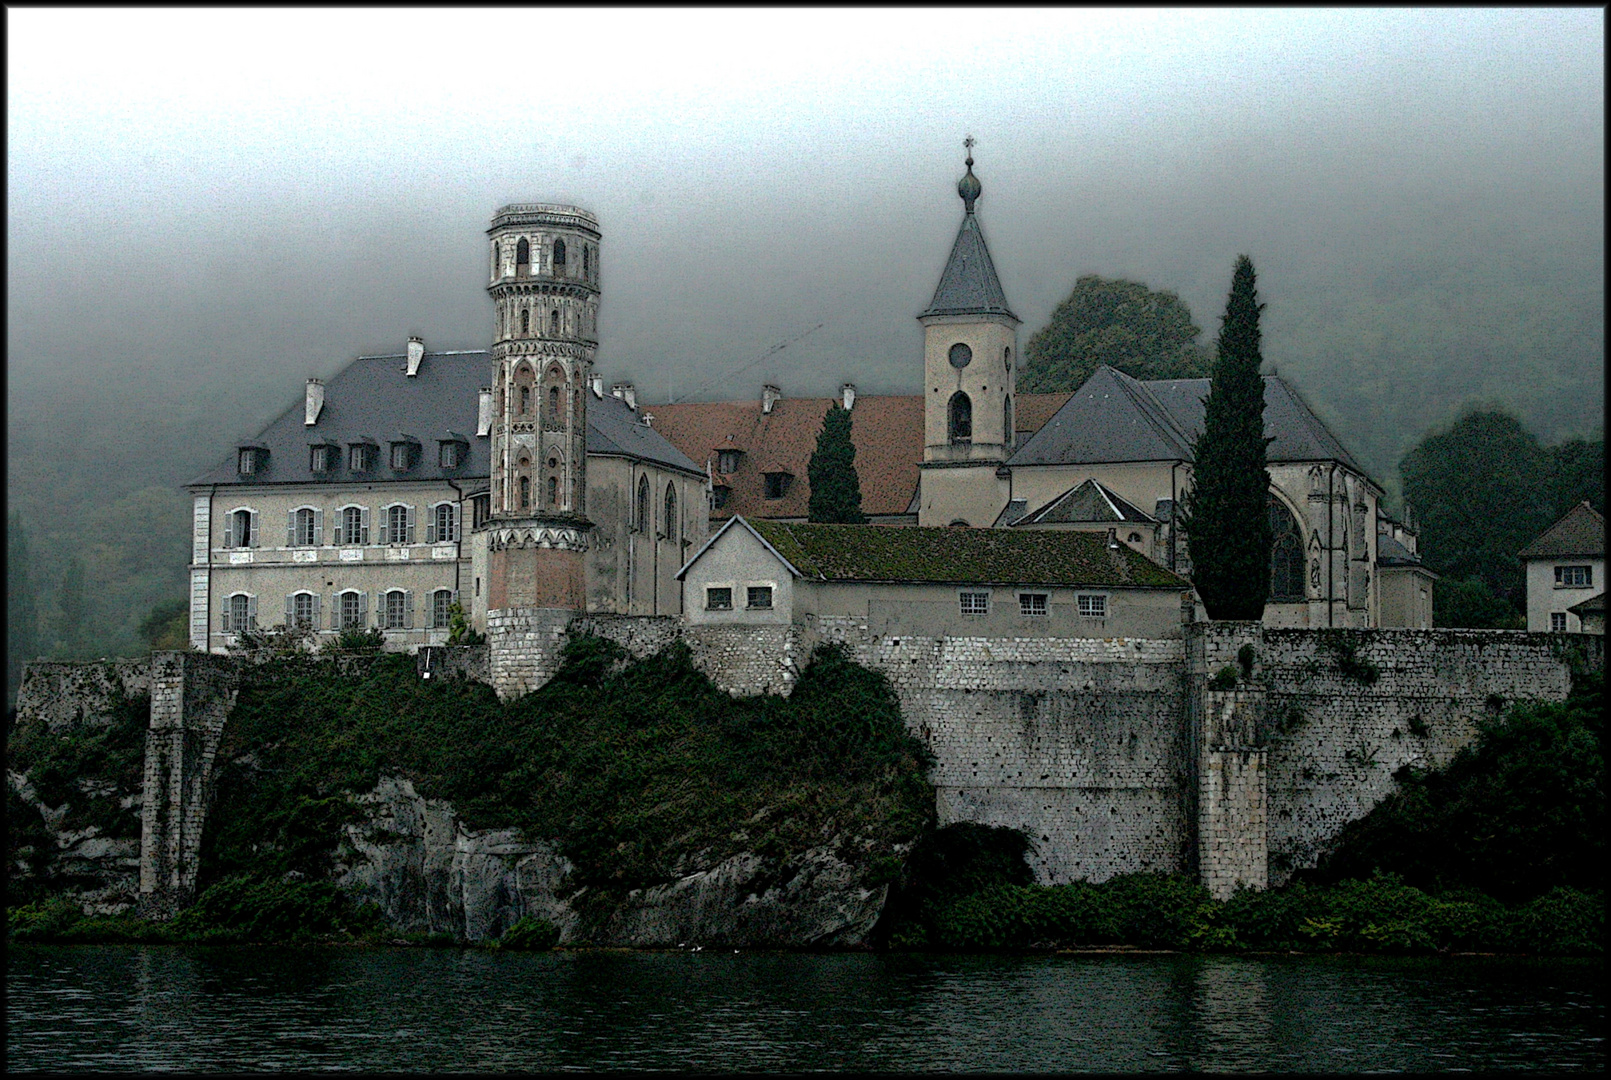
(961, 356)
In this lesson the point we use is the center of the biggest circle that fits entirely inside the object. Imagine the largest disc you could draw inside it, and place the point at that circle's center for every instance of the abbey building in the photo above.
(509, 478)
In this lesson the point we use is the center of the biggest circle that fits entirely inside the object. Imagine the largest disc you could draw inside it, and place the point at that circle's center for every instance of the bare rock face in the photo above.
(414, 858)
(98, 872)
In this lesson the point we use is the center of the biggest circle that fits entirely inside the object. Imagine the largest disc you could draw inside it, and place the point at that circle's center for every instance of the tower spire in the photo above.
(969, 187)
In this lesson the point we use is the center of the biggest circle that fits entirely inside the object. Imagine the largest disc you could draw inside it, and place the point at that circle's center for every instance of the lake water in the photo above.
(158, 1008)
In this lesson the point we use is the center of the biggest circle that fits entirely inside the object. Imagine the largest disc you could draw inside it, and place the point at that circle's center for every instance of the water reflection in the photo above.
(134, 1008)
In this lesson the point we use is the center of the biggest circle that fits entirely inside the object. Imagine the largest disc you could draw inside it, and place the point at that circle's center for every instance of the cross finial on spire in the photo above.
(968, 144)
(968, 186)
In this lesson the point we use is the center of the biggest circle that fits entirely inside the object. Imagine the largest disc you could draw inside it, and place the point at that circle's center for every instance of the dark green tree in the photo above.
(1481, 492)
(1227, 516)
(167, 627)
(22, 611)
(1124, 324)
(835, 489)
(1578, 466)
(70, 631)
(1472, 603)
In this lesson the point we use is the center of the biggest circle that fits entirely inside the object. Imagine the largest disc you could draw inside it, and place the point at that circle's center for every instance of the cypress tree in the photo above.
(835, 489)
(1226, 513)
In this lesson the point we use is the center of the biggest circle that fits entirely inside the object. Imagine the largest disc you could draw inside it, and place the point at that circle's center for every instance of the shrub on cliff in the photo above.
(1516, 814)
(639, 771)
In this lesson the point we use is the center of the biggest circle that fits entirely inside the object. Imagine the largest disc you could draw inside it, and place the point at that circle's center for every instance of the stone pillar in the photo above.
(1226, 697)
(191, 695)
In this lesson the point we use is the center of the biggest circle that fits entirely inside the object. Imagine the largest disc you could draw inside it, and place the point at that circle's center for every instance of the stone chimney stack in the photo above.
(769, 397)
(315, 402)
(483, 419)
(416, 353)
(847, 395)
(627, 393)
(597, 382)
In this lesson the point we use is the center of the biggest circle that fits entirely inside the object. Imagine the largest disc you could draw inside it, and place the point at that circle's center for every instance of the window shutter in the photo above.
(364, 519)
(430, 527)
(318, 527)
(290, 528)
(410, 517)
(363, 609)
(453, 520)
(253, 542)
(385, 525)
(229, 530)
(223, 617)
(290, 614)
(315, 619)
(251, 611)
(408, 609)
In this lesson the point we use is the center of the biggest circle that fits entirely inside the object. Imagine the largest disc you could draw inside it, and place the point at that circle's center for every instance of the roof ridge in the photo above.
(1153, 408)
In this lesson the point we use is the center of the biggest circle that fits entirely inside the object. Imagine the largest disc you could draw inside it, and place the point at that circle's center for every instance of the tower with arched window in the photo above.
(545, 293)
(970, 357)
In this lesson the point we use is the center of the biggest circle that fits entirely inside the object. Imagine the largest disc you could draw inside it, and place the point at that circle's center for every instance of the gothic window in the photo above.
(961, 418)
(525, 492)
(1006, 421)
(559, 257)
(671, 513)
(587, 262)
(522, 255)
(554, 415)
(553, 491)
(553, 323)
(643, 504)
(525, 321)
(1286, 554)
(1006, 358)
(525, 400)
(495, 258)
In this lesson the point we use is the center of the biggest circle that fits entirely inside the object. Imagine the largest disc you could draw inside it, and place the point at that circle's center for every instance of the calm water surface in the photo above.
(153, 1008)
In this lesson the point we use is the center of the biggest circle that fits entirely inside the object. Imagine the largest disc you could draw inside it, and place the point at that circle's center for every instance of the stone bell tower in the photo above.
(544, 262)
(970, 358)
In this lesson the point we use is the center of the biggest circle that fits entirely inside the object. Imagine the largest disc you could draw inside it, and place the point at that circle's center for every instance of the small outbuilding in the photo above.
(957, 582)
(1565, 570)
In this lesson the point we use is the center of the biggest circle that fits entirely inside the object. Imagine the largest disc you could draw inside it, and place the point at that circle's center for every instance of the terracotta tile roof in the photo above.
(1580, 532)
(963, 556)
(887, 431)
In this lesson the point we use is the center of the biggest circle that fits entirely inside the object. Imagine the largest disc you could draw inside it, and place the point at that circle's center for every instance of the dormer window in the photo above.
(777, 484)
(405, 454)
(452, 453)
(249, 460)
(322, 458)
(361, 456)
(719, 496)
(727, 461)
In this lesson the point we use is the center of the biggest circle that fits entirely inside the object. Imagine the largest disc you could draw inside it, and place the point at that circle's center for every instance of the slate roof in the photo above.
(373, 398)
(969, 285)
(1089, 501)
(1580, 532)
(887, 432)
(1389, 552)
(1594, 605)
(1114, 417)
(870, 553)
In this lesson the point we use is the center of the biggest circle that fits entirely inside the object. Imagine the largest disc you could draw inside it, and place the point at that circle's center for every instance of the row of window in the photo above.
(960, 425)
(720, 598)
(349, 610)
(560, 259)
(1033, 605)
(304, 526)
(405, 456)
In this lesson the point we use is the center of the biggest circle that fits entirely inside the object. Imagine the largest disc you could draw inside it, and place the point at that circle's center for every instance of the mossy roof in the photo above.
(962, 556)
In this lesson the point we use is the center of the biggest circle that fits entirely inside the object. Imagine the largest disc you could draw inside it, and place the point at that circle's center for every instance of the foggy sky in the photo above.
(215, 205)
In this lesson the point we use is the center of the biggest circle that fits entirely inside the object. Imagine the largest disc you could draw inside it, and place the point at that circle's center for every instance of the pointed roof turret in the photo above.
(969, 285)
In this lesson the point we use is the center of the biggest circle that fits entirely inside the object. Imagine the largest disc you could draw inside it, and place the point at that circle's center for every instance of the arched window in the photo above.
(303, 528)
(587, 262)
(397, 612)
(1286, 554)
(553, 406)
(1006, 421)
(553, 490)
(525, 492)
(553, 323)
(441, 607)
(643, 504)
(525, 321)
(559, 257)
(961, 418)
(525, 400)
(522, 254)
(495, 258)
(671, 513)
(1006, 358)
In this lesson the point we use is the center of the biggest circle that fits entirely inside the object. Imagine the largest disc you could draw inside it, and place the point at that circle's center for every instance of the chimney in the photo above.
(769, 397)
(598, 385)
(847, 395)
(416, 353)
(627, 393)
(1113, 539)
(315, 402)
(483, 419)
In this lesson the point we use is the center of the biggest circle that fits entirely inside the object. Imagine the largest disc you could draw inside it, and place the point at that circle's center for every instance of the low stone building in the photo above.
(931, 582)
(1566, 574)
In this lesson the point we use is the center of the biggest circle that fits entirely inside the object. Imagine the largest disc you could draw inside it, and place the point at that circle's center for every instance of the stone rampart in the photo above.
(64, 695)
